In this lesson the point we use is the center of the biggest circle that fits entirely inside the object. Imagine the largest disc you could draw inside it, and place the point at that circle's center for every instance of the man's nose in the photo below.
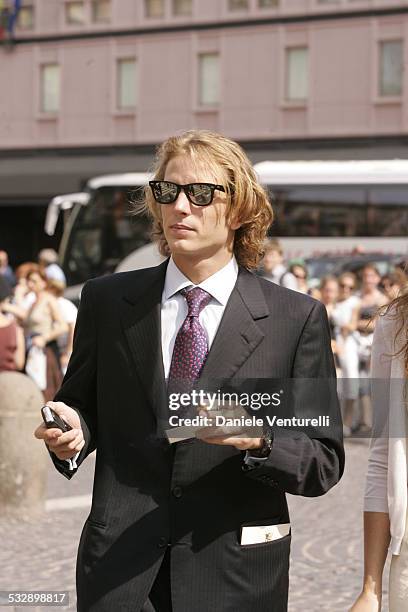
(182, 203)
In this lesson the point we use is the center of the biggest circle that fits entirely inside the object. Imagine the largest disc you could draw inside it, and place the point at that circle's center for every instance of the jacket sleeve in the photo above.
(308, 462)
(78, 388)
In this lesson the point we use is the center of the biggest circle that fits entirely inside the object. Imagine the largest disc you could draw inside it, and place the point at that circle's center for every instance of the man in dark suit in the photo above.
(166, 524)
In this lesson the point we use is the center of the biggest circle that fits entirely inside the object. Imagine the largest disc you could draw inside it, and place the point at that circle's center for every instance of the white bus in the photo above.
(335, 206)
(320, 207)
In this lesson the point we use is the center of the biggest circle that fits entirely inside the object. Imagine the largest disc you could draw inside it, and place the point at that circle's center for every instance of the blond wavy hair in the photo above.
(247, 201)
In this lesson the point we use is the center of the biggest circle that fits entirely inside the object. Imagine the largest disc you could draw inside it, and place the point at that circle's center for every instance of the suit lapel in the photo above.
(238, 334)
(141, 320)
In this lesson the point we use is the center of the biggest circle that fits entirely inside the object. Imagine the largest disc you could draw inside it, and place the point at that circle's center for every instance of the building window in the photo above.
(182, 7)
(268, 3)
(101, 11)
(25, 18)
(391, 68)
(75, 13)
(154, 8)
(238, 5)
(127, 81)
(296, 74)
(209, 79)
(50, 88)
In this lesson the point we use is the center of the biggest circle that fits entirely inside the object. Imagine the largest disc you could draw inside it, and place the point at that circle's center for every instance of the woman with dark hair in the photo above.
(299, 271)
(392, 284)
(385, 503)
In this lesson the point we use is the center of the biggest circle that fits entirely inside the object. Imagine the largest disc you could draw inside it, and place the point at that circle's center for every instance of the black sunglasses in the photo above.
(200, 194)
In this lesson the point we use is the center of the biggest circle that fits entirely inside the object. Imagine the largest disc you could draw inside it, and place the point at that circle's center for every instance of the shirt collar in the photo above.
(219, 285)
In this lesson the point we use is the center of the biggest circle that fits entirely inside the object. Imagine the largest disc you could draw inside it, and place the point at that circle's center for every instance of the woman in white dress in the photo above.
(345, 319)
(385, 502)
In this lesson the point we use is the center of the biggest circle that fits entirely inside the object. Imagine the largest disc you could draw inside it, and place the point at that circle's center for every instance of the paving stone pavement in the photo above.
(326, 556)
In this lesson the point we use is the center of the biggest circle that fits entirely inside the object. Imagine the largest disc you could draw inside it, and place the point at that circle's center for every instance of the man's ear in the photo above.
(235, 224)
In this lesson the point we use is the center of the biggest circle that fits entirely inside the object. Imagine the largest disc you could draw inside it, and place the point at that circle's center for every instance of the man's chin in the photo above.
(182, 246)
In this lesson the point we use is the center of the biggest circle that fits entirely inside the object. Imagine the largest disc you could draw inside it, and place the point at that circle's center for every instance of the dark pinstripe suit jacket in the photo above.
(147, 497)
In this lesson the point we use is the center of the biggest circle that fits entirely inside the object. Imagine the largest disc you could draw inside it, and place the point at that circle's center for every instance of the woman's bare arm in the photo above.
(60, 325)
(19, 356)
(376, 541)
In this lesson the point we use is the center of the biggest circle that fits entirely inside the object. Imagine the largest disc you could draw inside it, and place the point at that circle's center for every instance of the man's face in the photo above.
(371, 279)
(3, 259)
(271, 259)
(330, 291)
(192, 230)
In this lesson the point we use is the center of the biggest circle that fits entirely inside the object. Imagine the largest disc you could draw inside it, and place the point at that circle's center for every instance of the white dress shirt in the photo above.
(174, 305)
(174, 310)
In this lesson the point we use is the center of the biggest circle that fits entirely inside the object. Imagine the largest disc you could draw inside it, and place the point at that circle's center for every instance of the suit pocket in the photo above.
(265, 565)
(93, 545)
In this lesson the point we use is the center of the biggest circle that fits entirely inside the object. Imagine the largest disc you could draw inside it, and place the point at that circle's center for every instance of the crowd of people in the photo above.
(352, 303)
(36, 321)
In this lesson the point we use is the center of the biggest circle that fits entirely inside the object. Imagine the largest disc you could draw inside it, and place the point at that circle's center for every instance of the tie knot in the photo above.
(197, 299)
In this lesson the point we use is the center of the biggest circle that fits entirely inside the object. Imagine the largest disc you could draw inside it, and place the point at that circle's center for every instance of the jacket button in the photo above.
(162, 543)
(177, 491)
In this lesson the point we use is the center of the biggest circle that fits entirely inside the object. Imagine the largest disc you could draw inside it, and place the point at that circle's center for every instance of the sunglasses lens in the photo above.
(200, 194)
(164, 192)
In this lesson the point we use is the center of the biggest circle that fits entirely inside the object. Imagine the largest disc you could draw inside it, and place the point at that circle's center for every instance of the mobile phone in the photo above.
(52, 419)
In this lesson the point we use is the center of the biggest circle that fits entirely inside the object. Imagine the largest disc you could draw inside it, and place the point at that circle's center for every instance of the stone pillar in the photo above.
(23, 458)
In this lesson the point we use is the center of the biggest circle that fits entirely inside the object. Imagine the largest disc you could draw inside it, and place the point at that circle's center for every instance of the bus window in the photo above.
(314, 211)
(339, 211)
(388, 211)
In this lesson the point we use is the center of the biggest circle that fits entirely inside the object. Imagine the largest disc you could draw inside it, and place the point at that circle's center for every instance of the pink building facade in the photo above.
(89, 87)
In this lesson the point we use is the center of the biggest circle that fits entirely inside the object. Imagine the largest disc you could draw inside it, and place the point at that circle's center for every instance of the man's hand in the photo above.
(243, 438)
(63, 445)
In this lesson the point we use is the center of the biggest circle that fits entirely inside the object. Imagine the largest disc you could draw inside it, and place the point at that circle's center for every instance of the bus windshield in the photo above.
(103, 233)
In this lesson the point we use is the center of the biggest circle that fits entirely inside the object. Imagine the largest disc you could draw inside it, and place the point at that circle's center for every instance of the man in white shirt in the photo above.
(167, 524)
(273, 268)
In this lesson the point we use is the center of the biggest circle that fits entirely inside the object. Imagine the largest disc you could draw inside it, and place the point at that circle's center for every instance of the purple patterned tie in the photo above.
(191, 346)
